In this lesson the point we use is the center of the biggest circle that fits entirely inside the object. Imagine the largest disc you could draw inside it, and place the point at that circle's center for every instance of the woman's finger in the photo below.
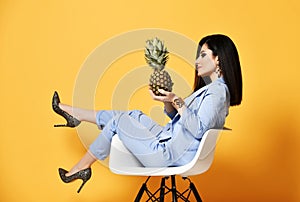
(162, 91)
(151, 93)
(156, 97)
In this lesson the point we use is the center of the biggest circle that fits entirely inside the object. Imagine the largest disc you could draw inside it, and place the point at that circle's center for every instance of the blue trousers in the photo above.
(138, 132)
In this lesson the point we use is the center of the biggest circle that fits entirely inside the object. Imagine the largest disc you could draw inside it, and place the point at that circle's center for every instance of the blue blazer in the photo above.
(206, 108)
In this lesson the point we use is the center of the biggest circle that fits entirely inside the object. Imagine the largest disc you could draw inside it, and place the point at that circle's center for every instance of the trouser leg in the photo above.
(104, 116)
(138, 133)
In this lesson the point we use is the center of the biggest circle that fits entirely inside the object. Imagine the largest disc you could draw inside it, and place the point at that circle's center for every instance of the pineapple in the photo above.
(156, 55)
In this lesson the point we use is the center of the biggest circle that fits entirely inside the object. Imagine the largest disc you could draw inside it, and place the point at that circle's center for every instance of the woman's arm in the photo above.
(169, 107)
(169, 110)
(179, 105)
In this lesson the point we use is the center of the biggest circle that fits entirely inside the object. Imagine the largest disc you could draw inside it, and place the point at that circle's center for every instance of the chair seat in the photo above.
(123, 162)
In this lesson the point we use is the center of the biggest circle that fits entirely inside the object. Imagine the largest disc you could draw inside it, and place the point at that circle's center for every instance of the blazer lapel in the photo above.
(196, 94)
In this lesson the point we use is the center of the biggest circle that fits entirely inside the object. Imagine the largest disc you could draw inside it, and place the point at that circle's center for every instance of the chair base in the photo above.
(163, 190)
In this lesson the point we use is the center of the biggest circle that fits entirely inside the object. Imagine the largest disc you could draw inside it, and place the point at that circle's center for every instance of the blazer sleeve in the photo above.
(209, 112)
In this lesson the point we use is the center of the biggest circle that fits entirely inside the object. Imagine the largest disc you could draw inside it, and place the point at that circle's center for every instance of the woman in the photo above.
(217, 85)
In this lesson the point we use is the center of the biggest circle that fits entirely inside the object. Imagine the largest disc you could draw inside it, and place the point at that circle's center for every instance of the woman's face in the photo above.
(206, 63)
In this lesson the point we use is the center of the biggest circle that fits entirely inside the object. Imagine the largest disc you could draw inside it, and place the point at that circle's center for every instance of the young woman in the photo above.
(217, 85)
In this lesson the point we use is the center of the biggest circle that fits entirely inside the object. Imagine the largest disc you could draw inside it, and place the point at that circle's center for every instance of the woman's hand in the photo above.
(171, 101)
(166, 97)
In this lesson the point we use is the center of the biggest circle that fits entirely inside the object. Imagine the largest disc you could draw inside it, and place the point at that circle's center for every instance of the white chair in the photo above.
(123, 162)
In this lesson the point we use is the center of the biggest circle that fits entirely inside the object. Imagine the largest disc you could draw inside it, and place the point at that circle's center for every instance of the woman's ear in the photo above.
(217, 61)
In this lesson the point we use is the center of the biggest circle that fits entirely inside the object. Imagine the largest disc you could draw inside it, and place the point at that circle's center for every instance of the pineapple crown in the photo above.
(156, 54)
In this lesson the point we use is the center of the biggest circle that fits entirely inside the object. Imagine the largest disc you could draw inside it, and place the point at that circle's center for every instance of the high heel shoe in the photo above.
(71, 121)
(84, 175)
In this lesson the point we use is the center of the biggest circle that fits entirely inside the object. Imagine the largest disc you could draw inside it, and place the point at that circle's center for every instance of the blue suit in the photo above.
(172, 145)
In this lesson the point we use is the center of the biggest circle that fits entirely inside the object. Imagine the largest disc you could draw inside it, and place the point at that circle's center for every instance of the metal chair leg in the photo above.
(174, 191)
(195, 192)
(193, 189)
(162, 189)
(141, 191)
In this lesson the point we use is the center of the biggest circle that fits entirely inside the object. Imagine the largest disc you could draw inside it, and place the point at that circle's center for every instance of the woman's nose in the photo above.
(197, 62)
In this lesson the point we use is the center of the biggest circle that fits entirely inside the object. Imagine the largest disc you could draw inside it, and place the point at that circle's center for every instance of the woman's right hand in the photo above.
(167, 99)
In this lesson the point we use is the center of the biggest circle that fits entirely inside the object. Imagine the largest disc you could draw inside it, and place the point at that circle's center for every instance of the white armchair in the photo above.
(123, 162)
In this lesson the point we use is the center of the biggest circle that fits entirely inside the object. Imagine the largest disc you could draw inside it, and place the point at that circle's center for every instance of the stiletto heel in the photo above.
(84, 175)
(83, 183)
(60, 125)
(71, 121)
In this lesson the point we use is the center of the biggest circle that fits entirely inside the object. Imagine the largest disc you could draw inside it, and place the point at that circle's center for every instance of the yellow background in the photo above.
(44, 43)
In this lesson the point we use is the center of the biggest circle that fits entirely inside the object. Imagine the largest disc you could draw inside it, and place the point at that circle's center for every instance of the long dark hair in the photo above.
(223, 47)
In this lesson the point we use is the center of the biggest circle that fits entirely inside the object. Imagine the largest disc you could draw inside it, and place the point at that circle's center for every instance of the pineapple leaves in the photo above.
(156, 54)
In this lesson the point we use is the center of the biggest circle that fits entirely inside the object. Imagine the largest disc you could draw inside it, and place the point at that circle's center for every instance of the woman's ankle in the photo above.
(70, 110)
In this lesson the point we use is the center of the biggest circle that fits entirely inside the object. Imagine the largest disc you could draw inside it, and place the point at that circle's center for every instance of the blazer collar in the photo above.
(204, 88)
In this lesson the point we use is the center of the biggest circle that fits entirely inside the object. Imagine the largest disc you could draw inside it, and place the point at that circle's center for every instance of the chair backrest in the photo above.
(208, 142)
(205, 154)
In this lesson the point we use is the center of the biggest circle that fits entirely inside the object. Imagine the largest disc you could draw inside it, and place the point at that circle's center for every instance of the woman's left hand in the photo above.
(166, 97)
